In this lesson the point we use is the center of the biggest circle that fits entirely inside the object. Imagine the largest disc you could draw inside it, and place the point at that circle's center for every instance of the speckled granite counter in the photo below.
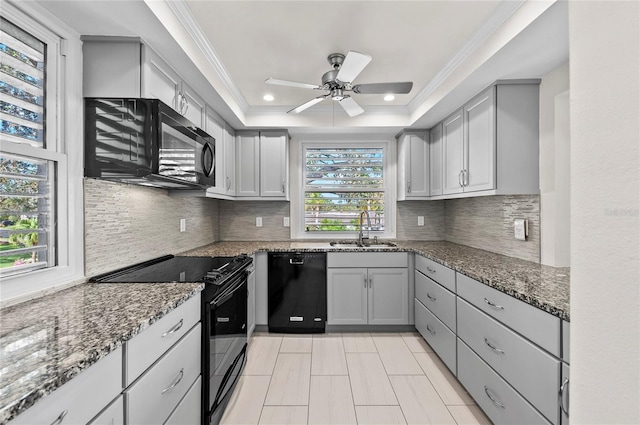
(544, 287)
(51, 339)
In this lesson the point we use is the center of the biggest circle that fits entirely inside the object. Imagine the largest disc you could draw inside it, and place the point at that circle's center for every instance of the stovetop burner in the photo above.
(177, 269)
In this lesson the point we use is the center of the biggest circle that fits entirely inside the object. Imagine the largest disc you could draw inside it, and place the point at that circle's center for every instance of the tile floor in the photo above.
(347, 378)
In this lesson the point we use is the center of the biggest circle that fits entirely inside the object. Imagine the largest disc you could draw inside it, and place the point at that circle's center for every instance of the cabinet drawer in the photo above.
(82, 398)
(112, 415)
(565, 341)
(189, 410)
(438, 300)
(367, 259)
(532, 372)
(533, 323)
(439, 273)
(146, 347)
(160, 389)
(437, 335)
(501, 403)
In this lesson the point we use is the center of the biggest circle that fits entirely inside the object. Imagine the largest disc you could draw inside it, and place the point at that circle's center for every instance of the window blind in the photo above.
(26, 181)
(339, 184)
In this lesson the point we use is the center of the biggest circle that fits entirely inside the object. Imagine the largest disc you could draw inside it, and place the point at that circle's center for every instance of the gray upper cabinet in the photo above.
(125, 67)
(413, 163)
(215, 126)
(490, 145)
(262, 164)
(435, 161)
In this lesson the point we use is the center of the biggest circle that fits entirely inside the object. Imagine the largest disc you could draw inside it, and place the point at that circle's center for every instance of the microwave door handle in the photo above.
(207, 150)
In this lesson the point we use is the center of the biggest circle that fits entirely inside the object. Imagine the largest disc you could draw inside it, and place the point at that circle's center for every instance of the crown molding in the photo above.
(190, 25)
(502, 13)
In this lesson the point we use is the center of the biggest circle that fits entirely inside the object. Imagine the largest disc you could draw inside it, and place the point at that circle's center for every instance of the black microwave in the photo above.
(146, 142)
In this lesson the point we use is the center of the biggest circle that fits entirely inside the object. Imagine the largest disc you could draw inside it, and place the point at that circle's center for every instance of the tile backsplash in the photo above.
(407, 213)
(486, 222)
(127, 224)
(238, 220)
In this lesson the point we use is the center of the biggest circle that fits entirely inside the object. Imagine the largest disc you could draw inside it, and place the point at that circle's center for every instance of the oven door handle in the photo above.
(241, 280)
(227, 375)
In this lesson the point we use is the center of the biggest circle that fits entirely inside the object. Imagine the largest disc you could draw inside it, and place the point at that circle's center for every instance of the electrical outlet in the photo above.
(420, 220)
(520, 229)
(183, 225)
(258, 221)
(285, 222)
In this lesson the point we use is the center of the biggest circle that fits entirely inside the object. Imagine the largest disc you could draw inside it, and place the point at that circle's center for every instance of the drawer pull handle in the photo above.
(430, 270)
(494, 305)
(431, 331)
(60, 418)
(175, 382)
(493, 347)
(430, 297)
(564, 387)
(174, 329)
(493, 398)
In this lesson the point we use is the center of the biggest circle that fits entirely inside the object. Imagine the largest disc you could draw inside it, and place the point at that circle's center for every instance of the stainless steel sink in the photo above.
(367, 244)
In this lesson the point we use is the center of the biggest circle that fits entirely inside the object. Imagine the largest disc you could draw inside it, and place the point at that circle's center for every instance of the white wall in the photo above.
(605, 208)
(554, 168)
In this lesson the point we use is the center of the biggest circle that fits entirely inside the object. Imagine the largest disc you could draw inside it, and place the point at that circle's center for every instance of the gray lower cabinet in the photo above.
(530, 370)
(367, 296)
(499, 401)
(190, 407)
(437, 335)
(111, 415)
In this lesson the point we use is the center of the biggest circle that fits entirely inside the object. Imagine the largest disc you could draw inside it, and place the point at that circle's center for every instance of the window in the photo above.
(40, 152)
(26, 216)
(339, 182)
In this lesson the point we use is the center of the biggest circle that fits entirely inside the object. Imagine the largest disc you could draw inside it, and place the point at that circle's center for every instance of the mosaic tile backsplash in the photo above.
(126, 224)
(486, 222)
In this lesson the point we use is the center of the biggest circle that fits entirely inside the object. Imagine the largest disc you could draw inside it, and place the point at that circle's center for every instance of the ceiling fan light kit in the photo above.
(339, 80)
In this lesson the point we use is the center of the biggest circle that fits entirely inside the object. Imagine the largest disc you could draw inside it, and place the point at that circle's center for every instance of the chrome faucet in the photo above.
(361, 238)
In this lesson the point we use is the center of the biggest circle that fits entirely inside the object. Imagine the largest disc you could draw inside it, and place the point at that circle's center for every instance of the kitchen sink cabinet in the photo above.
(490, 144)
(262, 164)
(367, 289)
(413, 165)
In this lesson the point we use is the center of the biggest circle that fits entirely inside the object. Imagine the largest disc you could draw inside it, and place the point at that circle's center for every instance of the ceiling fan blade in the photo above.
(351, 107)
(352, 66)
(383, 88)
(308, 104)
(291, 83)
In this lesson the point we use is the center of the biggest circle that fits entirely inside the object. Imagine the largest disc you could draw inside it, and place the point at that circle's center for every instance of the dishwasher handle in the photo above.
(297, 260)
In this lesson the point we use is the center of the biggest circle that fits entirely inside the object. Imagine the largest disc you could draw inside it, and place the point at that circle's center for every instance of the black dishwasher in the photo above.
(297, 292)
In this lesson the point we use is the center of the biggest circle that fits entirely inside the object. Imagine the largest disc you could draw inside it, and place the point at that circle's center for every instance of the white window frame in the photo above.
(64, 145)
(298, 186)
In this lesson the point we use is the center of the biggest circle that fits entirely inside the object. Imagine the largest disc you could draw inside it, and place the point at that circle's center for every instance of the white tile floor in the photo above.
(348, 378)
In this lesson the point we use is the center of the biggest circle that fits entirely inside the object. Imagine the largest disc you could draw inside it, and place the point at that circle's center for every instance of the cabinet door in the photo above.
(230, 161)
(435, 161)
(388, 298)
(248, 163)
(112, 415)
(159, 80)
(480, 143)
(418, 175)
(347, 296)
(111, 69)
(273, 164)
(189, 411)
(214, 126)
(193, 105)
(453, 153)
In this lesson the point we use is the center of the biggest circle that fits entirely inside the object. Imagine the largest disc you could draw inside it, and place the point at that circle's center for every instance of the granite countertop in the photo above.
(544, 287)
(47, 341)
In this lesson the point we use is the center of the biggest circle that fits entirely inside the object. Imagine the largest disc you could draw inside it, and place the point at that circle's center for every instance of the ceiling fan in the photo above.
(339, 80)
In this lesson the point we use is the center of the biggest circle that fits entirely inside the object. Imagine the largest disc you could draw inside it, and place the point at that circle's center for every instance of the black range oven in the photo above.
(223, 317)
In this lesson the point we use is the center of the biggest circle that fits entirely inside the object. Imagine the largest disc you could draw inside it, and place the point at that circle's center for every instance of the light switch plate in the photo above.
(258, 221)
(420, 220)
(183, 225)
(520, 229)
(285, 221)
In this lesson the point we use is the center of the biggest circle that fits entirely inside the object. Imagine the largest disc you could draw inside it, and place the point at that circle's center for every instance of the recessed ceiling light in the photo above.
(268, 97)
(389, 97)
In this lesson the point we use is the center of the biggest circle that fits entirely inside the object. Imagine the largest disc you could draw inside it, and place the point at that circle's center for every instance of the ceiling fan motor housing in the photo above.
(336, 59)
